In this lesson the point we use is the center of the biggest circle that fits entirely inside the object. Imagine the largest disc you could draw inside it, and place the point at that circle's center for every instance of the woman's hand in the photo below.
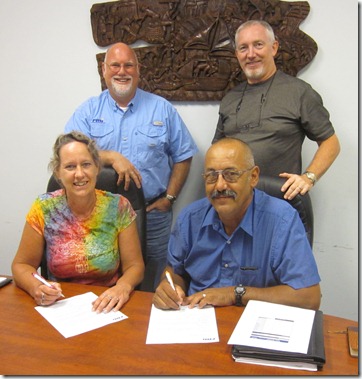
(45, 295)
(112, 299)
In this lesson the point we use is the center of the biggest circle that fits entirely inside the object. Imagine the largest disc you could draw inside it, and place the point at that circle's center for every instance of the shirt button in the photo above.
(226, 265)
(228, 242)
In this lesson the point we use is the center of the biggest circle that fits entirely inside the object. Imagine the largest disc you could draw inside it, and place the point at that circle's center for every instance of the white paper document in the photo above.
(185, 325)
(74, 315)
(274, 326)
(290, 365)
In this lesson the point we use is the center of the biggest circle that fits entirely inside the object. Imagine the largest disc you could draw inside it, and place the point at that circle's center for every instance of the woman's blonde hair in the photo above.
(64, 139)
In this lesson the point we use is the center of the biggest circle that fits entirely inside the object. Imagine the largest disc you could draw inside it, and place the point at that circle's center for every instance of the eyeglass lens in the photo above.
(115, 67)
(228, 175)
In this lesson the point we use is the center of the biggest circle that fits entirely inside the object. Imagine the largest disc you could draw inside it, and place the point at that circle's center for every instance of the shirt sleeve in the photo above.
(126, 212)
(182, 145)
(35, 217)
(78, 120)
(177, 247)
(315, 118)
(292, 256)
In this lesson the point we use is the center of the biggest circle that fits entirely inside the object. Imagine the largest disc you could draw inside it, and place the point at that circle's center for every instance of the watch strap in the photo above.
(170, 198)
(311, 176)
(239, 292)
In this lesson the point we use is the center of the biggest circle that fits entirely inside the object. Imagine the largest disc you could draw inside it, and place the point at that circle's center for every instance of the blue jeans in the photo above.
(158, 234)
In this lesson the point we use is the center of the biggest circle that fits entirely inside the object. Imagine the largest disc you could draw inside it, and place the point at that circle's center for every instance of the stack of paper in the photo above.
(279, 335)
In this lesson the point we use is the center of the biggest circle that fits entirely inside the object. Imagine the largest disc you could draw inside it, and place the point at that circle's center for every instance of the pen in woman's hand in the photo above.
(41, 279)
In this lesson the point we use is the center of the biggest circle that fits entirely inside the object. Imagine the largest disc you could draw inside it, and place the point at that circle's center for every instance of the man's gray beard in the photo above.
(254, 74)
(121, 92)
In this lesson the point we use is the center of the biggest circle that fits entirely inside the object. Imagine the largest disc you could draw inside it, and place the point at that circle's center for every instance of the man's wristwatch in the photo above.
(239, 291)
(170, 198)
(311, 176)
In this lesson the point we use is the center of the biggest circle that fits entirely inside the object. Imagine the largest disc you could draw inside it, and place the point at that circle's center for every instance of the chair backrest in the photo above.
(107, 181)
(302, 203)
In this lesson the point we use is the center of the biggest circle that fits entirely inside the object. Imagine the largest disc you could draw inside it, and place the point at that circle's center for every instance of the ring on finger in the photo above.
(42, 298)
(204, 295)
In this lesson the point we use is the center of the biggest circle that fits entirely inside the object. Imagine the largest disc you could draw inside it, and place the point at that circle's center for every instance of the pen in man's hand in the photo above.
(170, 281)
(41, 279)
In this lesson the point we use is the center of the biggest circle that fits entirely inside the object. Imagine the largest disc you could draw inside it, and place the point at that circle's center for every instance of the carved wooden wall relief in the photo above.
(190, 43)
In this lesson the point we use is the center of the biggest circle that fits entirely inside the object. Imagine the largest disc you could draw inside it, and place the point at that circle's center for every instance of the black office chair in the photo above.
(107, 181)
(302, 203)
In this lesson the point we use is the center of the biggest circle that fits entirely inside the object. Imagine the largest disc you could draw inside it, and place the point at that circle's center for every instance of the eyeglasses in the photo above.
(251, 125)
(229, 175)
(115, 67)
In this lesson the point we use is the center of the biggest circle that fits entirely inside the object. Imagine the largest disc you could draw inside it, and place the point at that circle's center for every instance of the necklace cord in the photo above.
(262, 101)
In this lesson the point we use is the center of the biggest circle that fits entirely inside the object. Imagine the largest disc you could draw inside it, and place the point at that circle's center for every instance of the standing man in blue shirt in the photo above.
(143, 138)
(238, 243)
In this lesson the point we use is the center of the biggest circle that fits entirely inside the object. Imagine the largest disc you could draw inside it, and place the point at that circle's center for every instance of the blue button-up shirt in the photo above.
(268, 248)
(150, 133)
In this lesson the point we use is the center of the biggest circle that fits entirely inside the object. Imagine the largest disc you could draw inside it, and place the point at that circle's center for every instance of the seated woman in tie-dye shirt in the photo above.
(89, 236)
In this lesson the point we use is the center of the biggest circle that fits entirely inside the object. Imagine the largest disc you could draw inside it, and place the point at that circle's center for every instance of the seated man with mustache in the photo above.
(238, 243)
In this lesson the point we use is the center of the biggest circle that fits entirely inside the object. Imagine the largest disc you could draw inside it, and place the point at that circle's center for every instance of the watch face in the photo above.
(239, 290)
(311, 176)
(171, 198)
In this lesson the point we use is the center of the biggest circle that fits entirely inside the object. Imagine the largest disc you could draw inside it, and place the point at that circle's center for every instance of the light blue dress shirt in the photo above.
(151, 134)
(268, 248)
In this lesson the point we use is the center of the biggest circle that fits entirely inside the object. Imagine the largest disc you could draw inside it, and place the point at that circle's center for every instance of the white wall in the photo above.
(48, 68)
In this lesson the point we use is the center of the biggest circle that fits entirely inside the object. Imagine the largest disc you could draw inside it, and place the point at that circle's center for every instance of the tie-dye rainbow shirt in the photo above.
(82, 251)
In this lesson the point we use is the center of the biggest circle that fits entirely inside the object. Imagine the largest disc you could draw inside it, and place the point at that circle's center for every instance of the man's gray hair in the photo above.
(263, 23)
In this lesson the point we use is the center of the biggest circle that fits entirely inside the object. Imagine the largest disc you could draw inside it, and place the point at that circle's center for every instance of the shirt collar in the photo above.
(212, 218)
(131, 104)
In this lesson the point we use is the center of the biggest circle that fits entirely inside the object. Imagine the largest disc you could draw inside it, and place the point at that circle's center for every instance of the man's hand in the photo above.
(295, 184)
(124, 168)
(218, 297)
(166, 298)
(162, 205)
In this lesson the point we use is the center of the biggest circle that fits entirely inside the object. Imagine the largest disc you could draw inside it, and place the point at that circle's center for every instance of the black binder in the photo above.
(315, 354)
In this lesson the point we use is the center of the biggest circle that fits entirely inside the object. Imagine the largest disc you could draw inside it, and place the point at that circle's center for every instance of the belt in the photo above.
(160, 196)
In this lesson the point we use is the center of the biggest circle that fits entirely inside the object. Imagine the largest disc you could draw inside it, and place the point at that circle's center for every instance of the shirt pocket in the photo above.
(152, 145)
(103, 134)
(250, 276)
